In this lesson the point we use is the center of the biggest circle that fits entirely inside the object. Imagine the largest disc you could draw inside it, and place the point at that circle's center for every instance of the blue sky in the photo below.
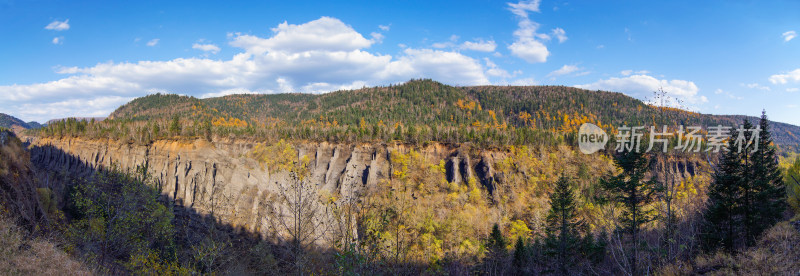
(71, 58)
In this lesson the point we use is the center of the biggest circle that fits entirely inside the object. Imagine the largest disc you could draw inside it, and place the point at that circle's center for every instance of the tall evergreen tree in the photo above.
(563, 239)
(766, 186)
(496, 244)
(722, 215)
(747, 195)
(520, 261)
(634, 191)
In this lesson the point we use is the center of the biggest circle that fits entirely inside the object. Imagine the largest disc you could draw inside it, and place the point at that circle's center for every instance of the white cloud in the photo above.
(529, 50)
(377, 37)
(756, 86)
(153, 42)
(318, 56)
(643, 86)
(496, 71)
(442, 45)
(560, 34)
(793, 89)
(525, 82)
(231, 92)
(447, 67)
(446, 44)
(528, 44)
(41, 112)
(58, 25)
(522, 8)
(211, 48)
(58, 40)
(727, 94)
(479, 45)
(384, 28)
(789, 35)
(324, 34)
(793, 76)
(629, 72)
(564, 70)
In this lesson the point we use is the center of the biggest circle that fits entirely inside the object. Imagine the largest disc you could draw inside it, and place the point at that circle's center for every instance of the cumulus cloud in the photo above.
(564, 70)
(377, 37)
(324, 34)
(629, 72)
(756, 86)
(317, 56)
(789, 35)
(793, 76)
(153, 42)
(560, 34)
(479, 45)
(525, 82)
(448, 67)
(58, 25)
(727, 94)
(643, 86)
(210, 48)
(495, 71)
(384, 28)
(528, 43)
(58, 40)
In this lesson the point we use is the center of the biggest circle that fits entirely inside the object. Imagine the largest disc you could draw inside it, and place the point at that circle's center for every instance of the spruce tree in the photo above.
(766, 186)
(563, 239)
(722, 214)
(496, 240)
(497, 252)
(634, 191)
(520, 260)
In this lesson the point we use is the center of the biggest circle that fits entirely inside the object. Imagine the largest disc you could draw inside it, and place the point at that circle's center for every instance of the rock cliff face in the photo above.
(219, 179)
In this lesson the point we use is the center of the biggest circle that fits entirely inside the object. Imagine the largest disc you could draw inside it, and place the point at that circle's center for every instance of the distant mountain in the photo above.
(429, 103)
(88, 119)
(9, 121)
(35, 125)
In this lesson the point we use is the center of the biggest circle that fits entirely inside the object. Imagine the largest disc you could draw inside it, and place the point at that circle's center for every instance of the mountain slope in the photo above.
(432, 104)
(9, 121)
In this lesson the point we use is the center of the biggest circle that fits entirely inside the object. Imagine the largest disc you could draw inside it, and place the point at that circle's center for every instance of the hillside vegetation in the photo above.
(415, 112)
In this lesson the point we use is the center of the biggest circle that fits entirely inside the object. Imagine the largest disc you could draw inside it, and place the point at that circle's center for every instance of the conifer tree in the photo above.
(520, 260)
(766, 186)
(563, 240)
(634, 192)
(175, 126)
(722, 215)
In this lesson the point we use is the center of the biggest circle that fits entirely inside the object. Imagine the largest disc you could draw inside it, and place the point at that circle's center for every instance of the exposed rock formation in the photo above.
(219, 179)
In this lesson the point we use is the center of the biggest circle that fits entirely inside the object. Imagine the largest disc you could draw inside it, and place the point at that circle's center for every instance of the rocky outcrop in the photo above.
(219, 179)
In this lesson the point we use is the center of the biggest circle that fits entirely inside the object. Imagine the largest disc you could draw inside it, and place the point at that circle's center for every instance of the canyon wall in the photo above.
(220, 179)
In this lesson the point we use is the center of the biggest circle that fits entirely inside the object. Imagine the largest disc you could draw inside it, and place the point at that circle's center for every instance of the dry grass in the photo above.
(777, 253)
(21, 256)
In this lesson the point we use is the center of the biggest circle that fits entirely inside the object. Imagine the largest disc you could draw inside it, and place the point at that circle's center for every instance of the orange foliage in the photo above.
(229, 122)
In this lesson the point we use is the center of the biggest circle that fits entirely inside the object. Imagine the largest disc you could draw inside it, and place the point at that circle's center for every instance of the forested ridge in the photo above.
(9, 121)
(422, 110)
